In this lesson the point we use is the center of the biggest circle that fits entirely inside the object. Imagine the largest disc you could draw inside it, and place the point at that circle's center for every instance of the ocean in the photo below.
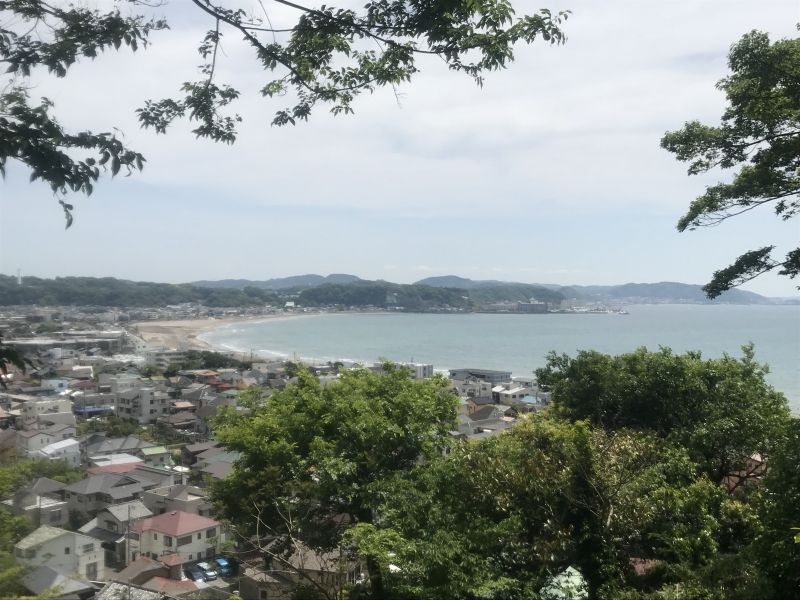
(520, 343)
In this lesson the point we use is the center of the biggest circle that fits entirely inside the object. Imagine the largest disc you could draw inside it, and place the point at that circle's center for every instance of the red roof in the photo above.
(170, 586)
(183, 404)
(121, 468)
(175, 523)
(173, 559)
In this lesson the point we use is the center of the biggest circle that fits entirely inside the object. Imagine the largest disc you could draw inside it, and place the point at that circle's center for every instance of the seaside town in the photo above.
(123, 403)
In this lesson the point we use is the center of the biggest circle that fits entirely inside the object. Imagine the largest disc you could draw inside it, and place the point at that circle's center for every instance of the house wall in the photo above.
(194, 546)
(69, 553)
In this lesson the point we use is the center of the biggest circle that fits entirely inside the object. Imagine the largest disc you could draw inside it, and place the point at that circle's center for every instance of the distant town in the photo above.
(131, 424)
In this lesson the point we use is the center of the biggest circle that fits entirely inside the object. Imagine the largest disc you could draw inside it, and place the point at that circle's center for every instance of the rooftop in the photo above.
(175, 523)
(45, 533)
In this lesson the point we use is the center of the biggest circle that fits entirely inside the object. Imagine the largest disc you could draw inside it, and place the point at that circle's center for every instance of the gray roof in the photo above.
(117, 445)
(115, 591)
(125, 491)
(95, 484)
(133, 510)
(44, 485)
(45, 578)
(43, 534)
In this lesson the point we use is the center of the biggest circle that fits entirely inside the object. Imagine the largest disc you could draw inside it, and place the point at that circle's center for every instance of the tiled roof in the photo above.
(96, 483)
(134, 510)
(175, 523)
(43, 534)
(171, 587)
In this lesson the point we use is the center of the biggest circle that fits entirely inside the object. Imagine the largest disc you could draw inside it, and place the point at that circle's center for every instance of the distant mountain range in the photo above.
(279, 283)
(430, 294)
(665, 291)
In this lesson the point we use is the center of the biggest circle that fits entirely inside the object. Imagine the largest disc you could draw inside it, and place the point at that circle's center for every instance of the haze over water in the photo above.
(520, 342)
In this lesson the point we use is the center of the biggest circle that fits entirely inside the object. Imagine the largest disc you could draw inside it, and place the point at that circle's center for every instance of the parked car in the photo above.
(209, 574)
(194, 573)
(224, 567)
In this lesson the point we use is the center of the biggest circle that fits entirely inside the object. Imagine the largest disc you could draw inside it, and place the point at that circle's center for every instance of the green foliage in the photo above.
(722, 410)
(375, 293)
(320, 58)
(204, 359)
(780, 513)
(497, 518)
(39, 35)
(311, 454)
(108, 291)
(113, 425)
(15, 475)
(759, 134)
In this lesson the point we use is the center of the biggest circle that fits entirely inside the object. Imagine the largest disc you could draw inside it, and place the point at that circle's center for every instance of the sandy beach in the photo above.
(185, 334)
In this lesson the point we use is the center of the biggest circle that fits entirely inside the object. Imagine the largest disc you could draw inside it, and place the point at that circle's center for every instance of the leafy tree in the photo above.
(326, 56)
(497, 518)
(780, 512)
(312, 457)
(722, 410)
(760, 136)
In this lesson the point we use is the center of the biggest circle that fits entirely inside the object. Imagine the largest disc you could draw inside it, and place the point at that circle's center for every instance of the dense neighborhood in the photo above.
(135, 427)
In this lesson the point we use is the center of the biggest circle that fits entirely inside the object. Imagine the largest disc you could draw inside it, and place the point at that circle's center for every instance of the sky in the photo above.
(550, 173)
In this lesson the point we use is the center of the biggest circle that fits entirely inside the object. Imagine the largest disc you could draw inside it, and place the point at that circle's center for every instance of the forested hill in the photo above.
(279, 283)
(107, 291)
(341, 290)
(662, 292)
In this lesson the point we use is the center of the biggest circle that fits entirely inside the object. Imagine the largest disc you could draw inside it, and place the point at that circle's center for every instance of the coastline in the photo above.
(185, 334)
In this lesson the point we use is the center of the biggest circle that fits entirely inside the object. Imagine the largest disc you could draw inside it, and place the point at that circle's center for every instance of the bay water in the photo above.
(520, 342)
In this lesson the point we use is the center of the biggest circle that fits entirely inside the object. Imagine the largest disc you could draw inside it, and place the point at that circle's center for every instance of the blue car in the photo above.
(224, 568)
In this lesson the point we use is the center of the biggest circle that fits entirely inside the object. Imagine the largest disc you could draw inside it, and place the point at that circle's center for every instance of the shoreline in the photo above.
(185, 334)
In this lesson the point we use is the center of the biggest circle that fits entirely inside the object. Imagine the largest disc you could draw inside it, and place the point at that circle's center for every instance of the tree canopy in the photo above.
(323, 56)
(759, 135)
(622, 480)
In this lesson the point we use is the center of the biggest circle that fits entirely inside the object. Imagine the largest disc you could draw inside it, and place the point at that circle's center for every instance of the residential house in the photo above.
(186, 498)
(50, 583)
(176, 532)
(96, 492)
(67, 450)
(100, 445)
(110, 528)
(43, 503)
(155, 456)
(67, 552)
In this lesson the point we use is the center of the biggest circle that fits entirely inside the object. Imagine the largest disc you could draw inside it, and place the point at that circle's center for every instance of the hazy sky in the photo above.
(551, 173)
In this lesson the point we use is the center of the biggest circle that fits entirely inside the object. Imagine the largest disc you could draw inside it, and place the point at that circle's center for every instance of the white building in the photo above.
(64, 551)
(68, 450)
(176, 532)
(38, 412)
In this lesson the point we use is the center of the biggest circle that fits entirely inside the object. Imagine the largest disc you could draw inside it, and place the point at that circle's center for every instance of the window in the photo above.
(55, 516)
(155, 536)
(211, 532)
(66, 550)
(262, 594)
(199, 536)
(167, 541)
(182, 541)
(88, 547)
(91, 571)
